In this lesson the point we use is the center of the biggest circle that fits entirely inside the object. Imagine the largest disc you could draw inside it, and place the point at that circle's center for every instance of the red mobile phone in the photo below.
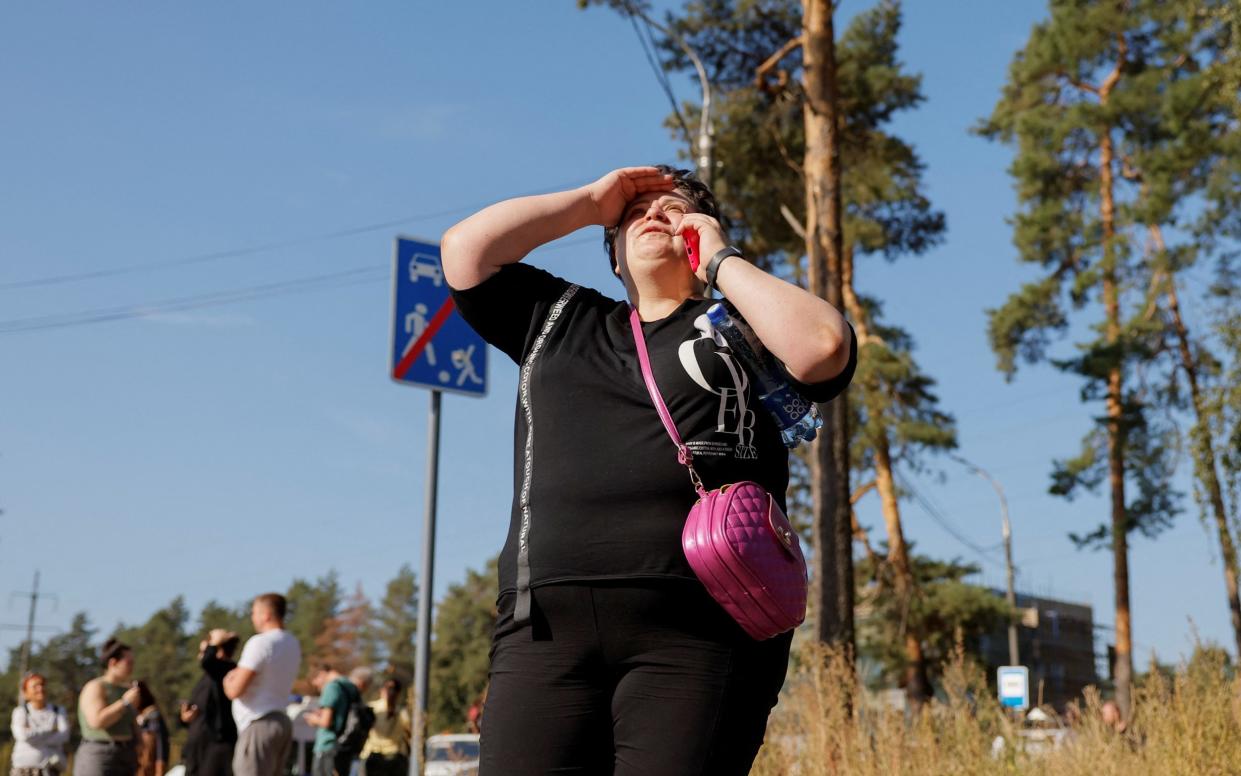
(691, 248)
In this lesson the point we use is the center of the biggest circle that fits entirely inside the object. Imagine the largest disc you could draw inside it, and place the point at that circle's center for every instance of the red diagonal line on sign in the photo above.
(420, 344)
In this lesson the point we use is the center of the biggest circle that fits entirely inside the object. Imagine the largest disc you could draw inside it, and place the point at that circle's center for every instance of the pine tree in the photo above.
(312, 607)
(356, 632)
(396, 624)
(1184, 158)
(1076, 97)
(460, 658)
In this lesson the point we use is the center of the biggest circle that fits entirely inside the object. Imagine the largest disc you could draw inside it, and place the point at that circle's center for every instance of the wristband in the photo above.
(713, 266)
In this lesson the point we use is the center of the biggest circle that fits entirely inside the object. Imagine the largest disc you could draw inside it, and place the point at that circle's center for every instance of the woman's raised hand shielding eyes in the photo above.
(613, 191)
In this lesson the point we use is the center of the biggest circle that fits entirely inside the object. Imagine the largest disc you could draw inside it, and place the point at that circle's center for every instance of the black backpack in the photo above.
(358, 721)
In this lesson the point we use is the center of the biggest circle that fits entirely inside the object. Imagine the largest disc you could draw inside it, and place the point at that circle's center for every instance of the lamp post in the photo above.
(1007, 529)
(704, 145)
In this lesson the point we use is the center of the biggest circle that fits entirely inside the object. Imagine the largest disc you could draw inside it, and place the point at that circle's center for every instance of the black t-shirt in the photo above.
(598, 491)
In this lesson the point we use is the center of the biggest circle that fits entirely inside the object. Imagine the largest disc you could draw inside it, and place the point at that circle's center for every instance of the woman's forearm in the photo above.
(808, 335)
(108, 715)
(504, 233)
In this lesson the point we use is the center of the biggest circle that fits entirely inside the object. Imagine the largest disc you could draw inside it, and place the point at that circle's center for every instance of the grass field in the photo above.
(1187, 723)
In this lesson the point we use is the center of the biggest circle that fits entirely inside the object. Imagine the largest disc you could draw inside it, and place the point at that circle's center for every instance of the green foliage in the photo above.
(396, 623)
(1024, 325)
(312, 606)
(1129, 97)
(1086, 471)
(351, 632)
(941, 608)
(460, 657)
(164, 654)
(216, 615)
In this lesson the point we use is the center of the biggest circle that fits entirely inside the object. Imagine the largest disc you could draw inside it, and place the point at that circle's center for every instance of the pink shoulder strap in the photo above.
(684, 455)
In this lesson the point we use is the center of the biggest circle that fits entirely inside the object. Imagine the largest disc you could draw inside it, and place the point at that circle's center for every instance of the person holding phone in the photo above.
(212, 731)
(609, 656)
(107, 716)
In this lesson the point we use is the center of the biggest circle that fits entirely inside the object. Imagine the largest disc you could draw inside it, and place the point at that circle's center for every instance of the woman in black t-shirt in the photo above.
(609, 657)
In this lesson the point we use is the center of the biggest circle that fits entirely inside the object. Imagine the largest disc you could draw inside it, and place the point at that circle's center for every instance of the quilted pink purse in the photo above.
(736, 539)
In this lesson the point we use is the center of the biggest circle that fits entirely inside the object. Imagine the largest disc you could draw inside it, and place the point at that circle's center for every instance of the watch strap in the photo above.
(713, 266)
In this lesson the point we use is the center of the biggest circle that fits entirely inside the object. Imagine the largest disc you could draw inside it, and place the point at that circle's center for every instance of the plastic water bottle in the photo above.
(797, 418)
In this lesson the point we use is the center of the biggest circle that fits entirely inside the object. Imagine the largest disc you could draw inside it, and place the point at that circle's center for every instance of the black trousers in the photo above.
(633, 679)
(208, 758)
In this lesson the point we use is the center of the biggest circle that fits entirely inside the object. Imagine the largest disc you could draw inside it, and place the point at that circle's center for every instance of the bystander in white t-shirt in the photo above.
(275, 657)
(39, 736)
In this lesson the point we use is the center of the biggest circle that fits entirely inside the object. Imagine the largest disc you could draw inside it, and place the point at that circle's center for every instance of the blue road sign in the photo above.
(432, 346)
(1014, 686)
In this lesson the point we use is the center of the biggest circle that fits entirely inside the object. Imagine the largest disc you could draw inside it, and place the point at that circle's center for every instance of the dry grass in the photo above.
(1188, 725)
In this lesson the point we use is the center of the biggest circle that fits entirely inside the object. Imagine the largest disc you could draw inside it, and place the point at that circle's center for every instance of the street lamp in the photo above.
(1007, 528)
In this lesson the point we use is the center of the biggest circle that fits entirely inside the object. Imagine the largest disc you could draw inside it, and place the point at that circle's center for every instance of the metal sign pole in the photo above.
(423, 658)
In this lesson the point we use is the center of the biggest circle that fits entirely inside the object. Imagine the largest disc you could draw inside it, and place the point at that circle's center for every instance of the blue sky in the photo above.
(220, 451)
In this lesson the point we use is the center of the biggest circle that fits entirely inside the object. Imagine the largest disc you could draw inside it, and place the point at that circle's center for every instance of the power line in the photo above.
(660, 76)
(152, 266)
(342, 279)
(943, 522)
(141, 310)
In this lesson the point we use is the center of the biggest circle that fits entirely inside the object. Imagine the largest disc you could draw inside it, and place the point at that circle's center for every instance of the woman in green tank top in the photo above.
(106, 716)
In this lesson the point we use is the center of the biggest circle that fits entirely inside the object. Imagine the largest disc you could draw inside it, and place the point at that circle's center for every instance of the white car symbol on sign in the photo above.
(424, 266)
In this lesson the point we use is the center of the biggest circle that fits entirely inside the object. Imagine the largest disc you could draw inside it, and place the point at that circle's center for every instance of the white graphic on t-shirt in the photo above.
(734, 416)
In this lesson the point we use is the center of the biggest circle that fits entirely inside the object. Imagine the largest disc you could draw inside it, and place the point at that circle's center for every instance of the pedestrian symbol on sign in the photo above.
(415, 325)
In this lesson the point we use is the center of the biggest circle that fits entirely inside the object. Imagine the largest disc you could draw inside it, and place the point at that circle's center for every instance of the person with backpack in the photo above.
(40, 731)
(343, 718)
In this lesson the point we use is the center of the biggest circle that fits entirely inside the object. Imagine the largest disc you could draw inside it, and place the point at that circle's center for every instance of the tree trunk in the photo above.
(833, 591)
(917, 685)
(1123, 670)
(1204, 461)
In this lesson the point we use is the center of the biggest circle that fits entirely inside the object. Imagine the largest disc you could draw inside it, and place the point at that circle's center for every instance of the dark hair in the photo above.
(146, 698)
(395, 682)
(113, 649)
(686, 183)
(229, 646)
(275, 602)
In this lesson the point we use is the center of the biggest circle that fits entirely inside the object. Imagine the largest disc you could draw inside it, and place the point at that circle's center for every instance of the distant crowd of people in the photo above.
(237, 715)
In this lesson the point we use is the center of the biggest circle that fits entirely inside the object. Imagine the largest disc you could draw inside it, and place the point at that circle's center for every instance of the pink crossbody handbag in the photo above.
(737, 540)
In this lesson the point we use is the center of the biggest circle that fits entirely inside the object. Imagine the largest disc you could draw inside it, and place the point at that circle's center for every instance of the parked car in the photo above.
(452, 754)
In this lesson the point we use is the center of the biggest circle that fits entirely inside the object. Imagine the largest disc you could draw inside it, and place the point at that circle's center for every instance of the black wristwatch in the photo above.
(713, 266)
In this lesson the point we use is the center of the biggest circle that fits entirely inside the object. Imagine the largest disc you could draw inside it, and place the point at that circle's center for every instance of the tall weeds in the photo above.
(1186, 724)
